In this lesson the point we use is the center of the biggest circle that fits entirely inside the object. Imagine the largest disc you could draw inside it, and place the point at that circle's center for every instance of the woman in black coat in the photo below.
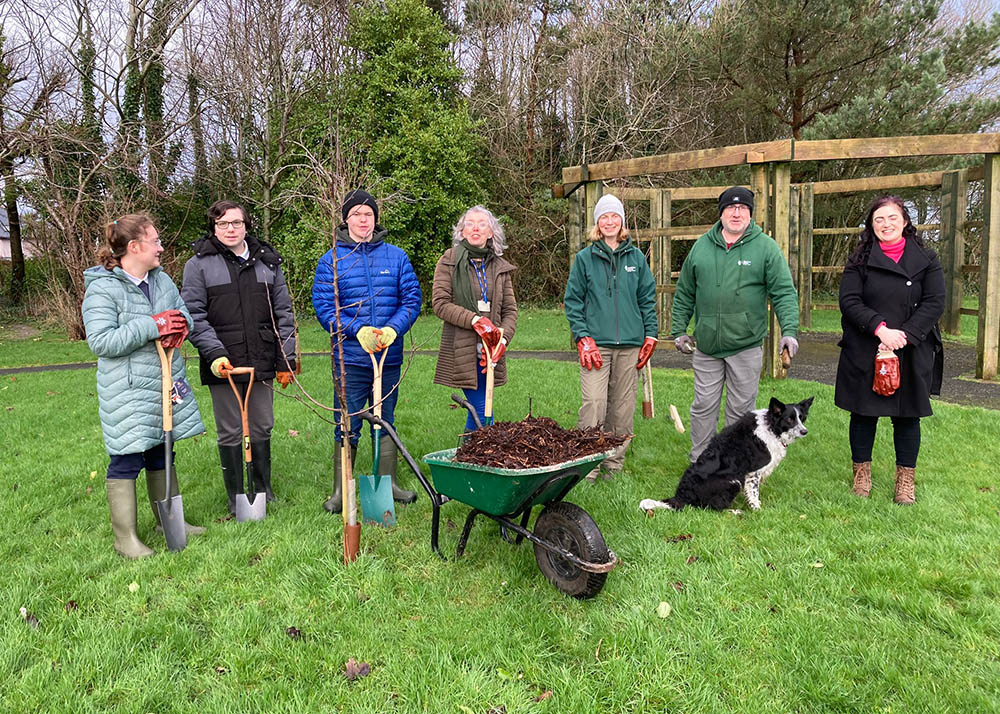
(891, 294)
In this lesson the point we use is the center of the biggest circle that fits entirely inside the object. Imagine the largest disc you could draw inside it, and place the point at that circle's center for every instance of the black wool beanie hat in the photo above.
(359, 197)
(734, 195)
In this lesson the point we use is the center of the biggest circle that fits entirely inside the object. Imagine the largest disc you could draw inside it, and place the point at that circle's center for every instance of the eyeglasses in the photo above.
(156, 242)
(223, 225)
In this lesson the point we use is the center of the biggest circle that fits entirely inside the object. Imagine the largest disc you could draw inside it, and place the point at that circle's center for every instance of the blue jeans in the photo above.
(129, 465)
(477, 398)
(358, 391)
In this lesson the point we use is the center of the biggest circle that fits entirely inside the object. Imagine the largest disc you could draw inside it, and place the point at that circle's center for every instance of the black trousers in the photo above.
(905, 437)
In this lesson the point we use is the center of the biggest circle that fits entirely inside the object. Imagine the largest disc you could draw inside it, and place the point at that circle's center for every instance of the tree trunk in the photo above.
(17, 272)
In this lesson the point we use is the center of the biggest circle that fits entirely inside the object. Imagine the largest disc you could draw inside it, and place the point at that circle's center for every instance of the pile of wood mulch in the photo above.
(532, 443)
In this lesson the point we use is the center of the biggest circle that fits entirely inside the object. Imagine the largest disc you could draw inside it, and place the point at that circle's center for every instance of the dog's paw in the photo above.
(649, 505)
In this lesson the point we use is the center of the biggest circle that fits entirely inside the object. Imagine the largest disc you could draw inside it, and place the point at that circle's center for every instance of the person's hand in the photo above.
(893, 339)
(590, 356)
(284, 379)
(684, 344)
(176, 339)
(368, 336)
(386, 337)
(788, 343)
(169, 322)
(221, 366)
(487, 331)
(645, 352)
(497, 354)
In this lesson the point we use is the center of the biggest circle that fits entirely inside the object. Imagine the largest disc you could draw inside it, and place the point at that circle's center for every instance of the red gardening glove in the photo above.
(645, 352)
(590, 356)
(497, 354)
(169, 322)
(284, 379)
(886, 380)
(487, 331)
(176, 339)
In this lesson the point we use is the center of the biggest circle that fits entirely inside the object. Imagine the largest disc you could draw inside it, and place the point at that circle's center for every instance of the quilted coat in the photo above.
(120, 331)
(457, 359)
(377, 287)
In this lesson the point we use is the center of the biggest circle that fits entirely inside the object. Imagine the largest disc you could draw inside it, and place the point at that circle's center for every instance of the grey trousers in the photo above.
(609, 397)
(260, 412)
(739, 374)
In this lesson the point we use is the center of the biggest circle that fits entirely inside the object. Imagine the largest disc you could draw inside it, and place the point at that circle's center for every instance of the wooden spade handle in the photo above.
(166, 384)
(786, 358)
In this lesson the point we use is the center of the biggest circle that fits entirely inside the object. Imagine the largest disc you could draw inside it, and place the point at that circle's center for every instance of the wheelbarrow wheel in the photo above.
(571, 528)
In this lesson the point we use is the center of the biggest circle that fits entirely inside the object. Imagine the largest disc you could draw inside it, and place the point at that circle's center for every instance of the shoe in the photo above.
(156, 482)
(388, 462)
(904, 486)
(862, 485)
(122, 504)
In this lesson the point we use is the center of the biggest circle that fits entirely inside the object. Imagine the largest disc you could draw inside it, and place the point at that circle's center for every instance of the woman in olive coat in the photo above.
(474, 294)
(892, 293)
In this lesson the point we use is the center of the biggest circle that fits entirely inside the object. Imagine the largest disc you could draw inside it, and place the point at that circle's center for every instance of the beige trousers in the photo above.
(609, 397)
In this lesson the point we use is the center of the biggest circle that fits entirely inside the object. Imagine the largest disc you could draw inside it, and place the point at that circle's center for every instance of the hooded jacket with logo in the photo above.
(611, 295)
(376, 286)
(726, 290)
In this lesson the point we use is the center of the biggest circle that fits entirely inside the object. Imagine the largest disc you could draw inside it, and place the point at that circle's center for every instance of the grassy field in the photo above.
(820, 602)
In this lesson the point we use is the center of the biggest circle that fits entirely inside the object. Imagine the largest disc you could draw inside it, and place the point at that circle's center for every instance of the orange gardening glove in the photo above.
(645, 352)
(590, 356)
(284, 379)
(886, 380)
(487, 331)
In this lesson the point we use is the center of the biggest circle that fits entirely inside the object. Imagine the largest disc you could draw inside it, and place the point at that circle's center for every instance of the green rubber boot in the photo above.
(388, 462)
(121, 503)
(156, 482)
(335, 504)
(233, 465)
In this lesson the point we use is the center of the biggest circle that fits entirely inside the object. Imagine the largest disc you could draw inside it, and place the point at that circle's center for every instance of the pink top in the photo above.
(894, 251)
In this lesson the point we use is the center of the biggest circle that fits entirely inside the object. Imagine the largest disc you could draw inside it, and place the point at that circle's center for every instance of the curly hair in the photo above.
(868, 237)
(499, 240)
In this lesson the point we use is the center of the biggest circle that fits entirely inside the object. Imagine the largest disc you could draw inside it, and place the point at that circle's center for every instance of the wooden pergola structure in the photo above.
(785, 212)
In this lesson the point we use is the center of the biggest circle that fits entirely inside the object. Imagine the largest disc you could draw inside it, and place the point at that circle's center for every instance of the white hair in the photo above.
(499, 238)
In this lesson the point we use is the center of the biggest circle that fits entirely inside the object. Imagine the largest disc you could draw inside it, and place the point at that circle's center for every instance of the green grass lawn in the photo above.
(820, 602)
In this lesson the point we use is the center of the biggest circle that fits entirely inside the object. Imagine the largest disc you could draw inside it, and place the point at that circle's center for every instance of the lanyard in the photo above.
(480, 271)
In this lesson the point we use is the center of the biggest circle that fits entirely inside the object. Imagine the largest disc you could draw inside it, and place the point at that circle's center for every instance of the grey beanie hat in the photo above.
(609, 204)
(734, 195)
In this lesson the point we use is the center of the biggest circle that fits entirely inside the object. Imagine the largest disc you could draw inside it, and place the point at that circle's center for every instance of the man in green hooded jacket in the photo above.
(725, 283)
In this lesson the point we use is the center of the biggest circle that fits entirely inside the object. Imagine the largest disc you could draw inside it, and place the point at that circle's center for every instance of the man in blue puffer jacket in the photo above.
(379, 301)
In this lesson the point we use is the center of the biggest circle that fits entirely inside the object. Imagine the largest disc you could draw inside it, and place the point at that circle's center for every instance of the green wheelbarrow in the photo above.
(569, 547)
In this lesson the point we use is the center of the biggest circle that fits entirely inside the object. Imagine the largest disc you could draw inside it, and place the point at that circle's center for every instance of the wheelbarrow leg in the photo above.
(524, 525)
(436, 527)
(466, 531)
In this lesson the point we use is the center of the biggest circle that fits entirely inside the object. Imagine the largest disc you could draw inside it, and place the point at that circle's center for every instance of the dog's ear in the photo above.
(805, 404)
(775, 407)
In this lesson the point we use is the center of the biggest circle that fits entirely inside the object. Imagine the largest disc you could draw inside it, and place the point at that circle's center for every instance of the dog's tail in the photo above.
(648, 504)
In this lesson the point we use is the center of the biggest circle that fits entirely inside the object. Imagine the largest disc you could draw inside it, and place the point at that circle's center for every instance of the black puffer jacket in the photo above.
(236, 308)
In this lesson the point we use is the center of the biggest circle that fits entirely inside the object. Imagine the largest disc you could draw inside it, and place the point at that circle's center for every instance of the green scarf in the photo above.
(463, 277)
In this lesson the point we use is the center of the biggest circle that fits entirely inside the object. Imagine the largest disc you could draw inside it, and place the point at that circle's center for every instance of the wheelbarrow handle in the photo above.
(463, 402)
(387, 430)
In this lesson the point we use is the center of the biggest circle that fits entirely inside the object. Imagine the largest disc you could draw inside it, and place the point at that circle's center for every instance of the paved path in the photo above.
(816, 361)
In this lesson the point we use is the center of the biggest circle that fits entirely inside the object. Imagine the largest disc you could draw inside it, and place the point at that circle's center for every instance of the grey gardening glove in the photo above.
(789, 343)
(684, 344)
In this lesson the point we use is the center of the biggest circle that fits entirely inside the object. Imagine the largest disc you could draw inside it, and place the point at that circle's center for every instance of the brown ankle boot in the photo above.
(904, 486)
(862, 479)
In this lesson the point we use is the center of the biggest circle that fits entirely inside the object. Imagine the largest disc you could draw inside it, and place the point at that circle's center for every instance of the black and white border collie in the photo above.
(740, 456)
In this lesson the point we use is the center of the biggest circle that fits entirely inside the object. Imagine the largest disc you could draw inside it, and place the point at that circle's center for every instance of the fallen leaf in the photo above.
(802, 517)
(292, 432)
(89, 490)
(93, 475)
(29, 617)
(293, 632)
(71, 605)
(678, 586)
(597, 651)
(451, 525)
(547, 694)
(663, 609)
(986, 489)
(692, 559)
(221, 670)
(355, 670)
(133, 587)
(363, 596)
(497, 710)
(461, 707)
(15, 486)
(817, 564)
(770, 566)
(679, 538)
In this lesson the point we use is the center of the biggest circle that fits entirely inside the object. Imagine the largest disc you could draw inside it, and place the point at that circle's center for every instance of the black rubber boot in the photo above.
(335, 504)
(156, 482)
(261, 455)
(231, 458)
(388, 461)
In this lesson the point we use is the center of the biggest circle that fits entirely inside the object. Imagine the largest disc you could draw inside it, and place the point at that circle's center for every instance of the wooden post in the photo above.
(780, 175)
(594, 189)
(805, 254)
(574, 226)
(662, 261)
(988, 337)
(794, 197)
(954, 206)
(758, 184)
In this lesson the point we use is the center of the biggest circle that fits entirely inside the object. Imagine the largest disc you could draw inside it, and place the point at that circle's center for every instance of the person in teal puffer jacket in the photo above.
(725, 283)
(130, 303)
(610, 303)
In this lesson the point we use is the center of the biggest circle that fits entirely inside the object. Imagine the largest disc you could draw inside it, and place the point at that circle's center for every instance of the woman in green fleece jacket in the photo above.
(610, 303)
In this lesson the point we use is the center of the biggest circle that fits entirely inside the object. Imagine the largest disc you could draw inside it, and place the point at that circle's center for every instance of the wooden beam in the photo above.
(954, 206)
(574, 232)
(672, 231)
(805, 255)
(681, 161)
(895, 146)
(988, 334)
